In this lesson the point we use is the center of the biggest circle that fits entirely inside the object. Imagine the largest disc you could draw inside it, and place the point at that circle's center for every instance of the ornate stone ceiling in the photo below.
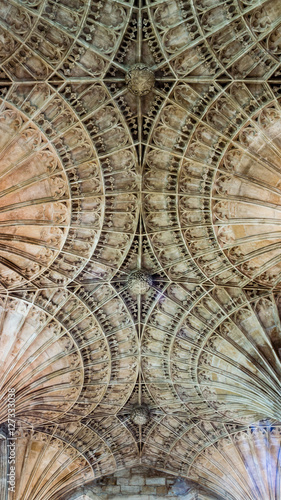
(140, 241)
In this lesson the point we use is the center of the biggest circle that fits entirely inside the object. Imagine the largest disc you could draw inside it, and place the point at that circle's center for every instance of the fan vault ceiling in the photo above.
(140, 242)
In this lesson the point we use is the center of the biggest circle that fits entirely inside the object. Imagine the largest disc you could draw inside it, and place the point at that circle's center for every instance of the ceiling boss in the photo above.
(140, 79)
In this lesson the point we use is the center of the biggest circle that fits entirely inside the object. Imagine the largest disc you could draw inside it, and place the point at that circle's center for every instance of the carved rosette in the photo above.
(139, 282)
(140, 80)
(140, 414)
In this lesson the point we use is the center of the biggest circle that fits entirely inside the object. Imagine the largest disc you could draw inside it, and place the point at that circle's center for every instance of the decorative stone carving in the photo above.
(140, 414)
(140, 79)
(243, 452)
(51, 453)
(139, 281)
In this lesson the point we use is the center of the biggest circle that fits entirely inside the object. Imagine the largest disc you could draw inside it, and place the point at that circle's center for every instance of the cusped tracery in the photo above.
(51, 464)
(62, 359)
(35, 208)
(246, 464)
(73, 37)
(59, 458)
(44, 364)
(209, 38)
(215, 352)
(218, 179)
(79, 192)
(232, 462)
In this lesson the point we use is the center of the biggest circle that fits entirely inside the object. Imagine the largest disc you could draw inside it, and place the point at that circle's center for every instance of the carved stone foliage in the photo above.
(140, 79)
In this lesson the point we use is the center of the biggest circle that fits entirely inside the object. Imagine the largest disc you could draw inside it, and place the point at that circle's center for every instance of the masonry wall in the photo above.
(135, 484)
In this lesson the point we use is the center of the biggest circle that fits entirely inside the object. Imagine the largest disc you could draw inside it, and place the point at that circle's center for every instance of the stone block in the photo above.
(148, 490)
(158, 481)
(111, 489)
(161, 490)
(130, 489)
(122, 473)
(137, 480)
(122, 480)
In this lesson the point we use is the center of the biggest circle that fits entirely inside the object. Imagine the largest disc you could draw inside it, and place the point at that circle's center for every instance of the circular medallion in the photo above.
(140, 79)
(140, 415)
(139, 282)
